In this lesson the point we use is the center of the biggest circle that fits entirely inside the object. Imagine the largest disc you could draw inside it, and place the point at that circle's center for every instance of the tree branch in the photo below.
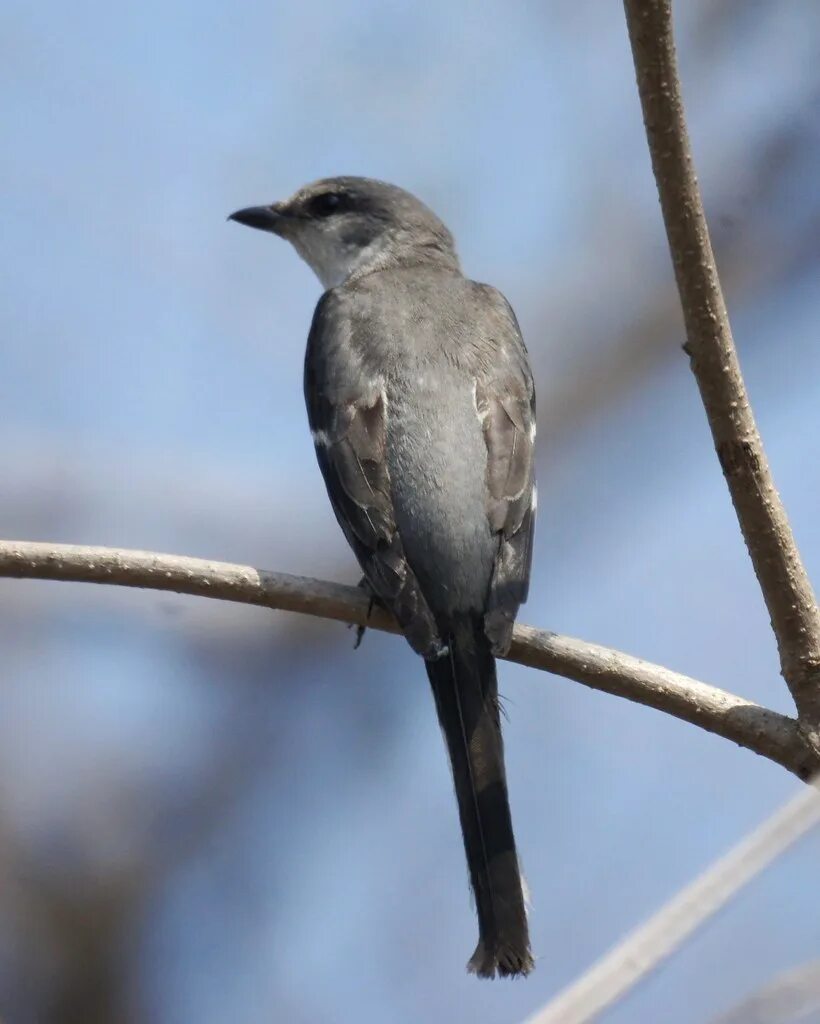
(647, 946)
(783, 580)
(791, 997)
(758, 729)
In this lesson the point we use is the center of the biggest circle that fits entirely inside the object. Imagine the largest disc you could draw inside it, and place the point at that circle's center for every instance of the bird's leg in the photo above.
(374, 600)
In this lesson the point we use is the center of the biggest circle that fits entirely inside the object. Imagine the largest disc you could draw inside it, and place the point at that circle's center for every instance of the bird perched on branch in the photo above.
(421, 404)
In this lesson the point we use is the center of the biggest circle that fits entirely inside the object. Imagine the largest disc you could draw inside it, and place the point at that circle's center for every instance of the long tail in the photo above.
(466, 693)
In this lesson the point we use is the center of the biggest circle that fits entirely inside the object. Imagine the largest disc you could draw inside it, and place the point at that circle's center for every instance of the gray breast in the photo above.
(437, 461)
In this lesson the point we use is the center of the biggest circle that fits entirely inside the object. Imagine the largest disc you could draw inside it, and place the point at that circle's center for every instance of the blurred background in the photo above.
(215, 813)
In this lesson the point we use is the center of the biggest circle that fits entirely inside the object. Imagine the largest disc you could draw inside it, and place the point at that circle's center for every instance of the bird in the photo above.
(421, 403)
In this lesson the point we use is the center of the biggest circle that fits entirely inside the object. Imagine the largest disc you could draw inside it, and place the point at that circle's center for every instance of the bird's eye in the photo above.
(325, 204)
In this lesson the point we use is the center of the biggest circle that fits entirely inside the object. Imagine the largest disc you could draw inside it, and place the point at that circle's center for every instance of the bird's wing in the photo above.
(505, 401)
(346, 411)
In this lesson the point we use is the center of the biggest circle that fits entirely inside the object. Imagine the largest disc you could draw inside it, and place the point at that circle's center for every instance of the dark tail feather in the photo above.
(466, 692)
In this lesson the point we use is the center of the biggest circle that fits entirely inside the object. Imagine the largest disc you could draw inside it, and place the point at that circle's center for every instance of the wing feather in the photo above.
(347, 411)
(505, 402)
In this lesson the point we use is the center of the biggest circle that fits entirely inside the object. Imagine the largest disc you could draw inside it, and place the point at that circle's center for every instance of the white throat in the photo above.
(335, 263)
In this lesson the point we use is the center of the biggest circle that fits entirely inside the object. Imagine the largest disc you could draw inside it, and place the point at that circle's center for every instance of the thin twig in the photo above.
(758, 729)
(789, 999)
(760, 512)
(649, 945)
(783, 580)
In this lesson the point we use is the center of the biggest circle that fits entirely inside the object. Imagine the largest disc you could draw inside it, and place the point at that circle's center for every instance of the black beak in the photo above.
(266, 218)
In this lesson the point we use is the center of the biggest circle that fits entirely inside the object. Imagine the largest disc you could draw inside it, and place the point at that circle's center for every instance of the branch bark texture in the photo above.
(765, 732)
(783, 580)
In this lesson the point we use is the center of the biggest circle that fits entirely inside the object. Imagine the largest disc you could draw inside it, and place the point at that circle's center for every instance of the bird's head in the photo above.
(346, 227)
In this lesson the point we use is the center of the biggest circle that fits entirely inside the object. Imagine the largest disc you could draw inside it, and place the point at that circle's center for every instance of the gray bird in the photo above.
(422, 408)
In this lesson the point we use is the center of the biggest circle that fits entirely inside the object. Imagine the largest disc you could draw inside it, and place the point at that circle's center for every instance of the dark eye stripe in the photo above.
(327, 203)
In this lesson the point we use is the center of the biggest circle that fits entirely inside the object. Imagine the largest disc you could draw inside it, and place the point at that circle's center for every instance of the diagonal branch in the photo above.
(644, 949)
(790, 998)
(786, 588)
(758, 729)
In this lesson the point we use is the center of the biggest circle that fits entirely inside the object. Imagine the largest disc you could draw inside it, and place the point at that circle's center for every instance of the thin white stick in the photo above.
(642, 950)
(790, 997)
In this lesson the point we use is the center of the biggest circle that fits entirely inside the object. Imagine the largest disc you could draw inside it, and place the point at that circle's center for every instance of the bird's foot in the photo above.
(374, 601)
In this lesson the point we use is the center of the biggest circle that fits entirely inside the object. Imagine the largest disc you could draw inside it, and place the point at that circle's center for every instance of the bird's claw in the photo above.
(374, 600)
